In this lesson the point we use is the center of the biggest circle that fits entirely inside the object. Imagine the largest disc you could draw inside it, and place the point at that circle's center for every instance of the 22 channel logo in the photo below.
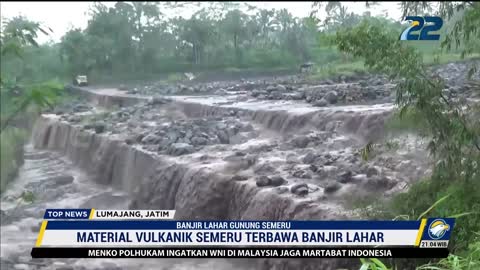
(420, 24)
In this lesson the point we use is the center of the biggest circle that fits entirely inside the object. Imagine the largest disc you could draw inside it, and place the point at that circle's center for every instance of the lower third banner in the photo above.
(257, 252)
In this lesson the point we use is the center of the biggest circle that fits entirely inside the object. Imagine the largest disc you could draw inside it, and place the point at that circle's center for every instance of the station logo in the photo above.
(425, 25)
(437, 229)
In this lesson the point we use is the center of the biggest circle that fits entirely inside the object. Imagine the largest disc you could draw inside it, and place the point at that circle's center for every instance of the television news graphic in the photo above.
(107, 214)
(91, 233)
(425, 25)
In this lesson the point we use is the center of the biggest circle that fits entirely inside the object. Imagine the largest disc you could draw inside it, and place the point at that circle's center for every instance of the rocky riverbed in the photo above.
(325, 160)
(251, 149)
(341, 90)
(322, 164)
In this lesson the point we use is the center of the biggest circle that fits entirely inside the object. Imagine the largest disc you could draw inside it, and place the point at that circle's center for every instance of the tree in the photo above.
(265, 19)
(235, 23)
(452, 127)
(18, 34)
(75, 50)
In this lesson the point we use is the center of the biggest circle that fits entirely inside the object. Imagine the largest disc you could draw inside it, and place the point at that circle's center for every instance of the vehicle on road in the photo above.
(306, 67)
(80, 80)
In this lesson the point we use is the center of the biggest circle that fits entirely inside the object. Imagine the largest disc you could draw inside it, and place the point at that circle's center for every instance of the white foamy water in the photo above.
(278, 105)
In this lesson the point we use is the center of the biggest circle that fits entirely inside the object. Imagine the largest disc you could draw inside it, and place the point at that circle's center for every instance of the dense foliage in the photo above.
(139, 40)
(20, 96)
(139, 37)
(452, 128)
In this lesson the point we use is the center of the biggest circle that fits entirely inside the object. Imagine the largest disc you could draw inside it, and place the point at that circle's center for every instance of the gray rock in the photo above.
(256, 93)
(370, 94)
(297, 96)
(332, 187)
(158, 101)
(371, 171)
(220, 92)
(130, 140)
(359, 177)
(403, 165)
(301, 141)
(151, 139)
(331, 97)
(300, 189)
(380, 183)
(81, 108)
(302, 174)
(277, 180)
(313, 168)
(99, 127)
(139, 137)
(61, 180)
(281, 189)
(329, 82)
(239, 178)
(204, 157)
(199, 141)
(345, 177)
(309, 158)
(320, 103)
(264, 168)
(232, 130)
(223, 137)
(262, 181)
(275, 95)
(74, 118)
(221, 125)
(291, 159)
(172, 136)
(178, 149)
(271, 88)
(240, 154)
(281, 87)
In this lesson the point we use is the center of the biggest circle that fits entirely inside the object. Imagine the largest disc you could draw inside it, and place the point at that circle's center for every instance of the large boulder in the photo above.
(98, 127)
(199, 141)
(151, 139)
(331, 97)
(320, 103)
(281, 88)
(178, 149)
(300, 189)
(301, 141)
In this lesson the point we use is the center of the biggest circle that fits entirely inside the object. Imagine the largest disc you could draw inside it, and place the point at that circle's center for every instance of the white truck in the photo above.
(80, 80)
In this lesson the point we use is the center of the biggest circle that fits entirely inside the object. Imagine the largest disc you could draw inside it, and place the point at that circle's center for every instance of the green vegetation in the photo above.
(10, 141)
(453, 190)
(138, 41)
(22, 90)
(217, 36)
(27, 197)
